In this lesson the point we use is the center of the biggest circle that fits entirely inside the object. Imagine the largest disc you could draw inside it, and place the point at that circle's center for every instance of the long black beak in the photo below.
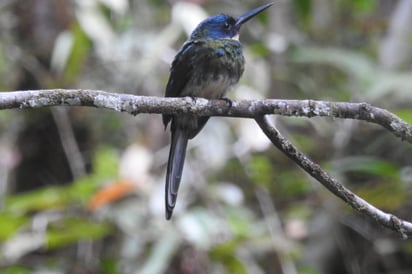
(248, 15)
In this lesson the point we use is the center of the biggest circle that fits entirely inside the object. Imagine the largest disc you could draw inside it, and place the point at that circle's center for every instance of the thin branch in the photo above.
(249, 109)
(68, 140)
(313, 169)
(273, 223)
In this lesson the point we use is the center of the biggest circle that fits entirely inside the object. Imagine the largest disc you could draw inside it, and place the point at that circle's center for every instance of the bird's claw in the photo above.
(194, 99)
(228, 102)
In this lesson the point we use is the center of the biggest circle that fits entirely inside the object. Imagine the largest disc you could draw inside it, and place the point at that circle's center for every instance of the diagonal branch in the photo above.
(249, 109)
(314, 170)
(246, 108)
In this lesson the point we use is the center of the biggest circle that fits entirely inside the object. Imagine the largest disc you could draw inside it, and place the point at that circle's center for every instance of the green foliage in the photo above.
(3, 67)
(405, 114)
(261, 170)
(303, 9)
(239, 223)
(10, 223)
(78, 55)
(109, 266)
(408, 248)
(386, 195)
(369, 165)
(15, 270)
(382, 185)
(105, 164)
(18, 208)
(105, 167)
(361, 6)
(299, 210)
(291, 184)
(259, 49)
(42, 199)
(284, 182)
(226, 254)
(74, 229)
(305, 144)
(306, 270)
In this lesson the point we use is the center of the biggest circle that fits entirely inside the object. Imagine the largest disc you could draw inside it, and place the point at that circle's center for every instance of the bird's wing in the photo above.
(180, 73)
(194, 58)
(201, 55)
(181, 70)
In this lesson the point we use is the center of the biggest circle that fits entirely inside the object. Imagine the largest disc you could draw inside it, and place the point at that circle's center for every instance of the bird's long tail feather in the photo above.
(174, 169)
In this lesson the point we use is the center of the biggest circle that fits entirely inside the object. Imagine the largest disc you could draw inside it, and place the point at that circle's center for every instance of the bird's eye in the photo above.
(227, 25)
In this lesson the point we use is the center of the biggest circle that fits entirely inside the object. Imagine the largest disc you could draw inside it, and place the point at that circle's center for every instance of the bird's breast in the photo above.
(211, 86)
(217, 66)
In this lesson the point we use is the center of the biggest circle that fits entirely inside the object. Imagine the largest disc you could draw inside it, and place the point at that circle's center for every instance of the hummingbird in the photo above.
(208, 64)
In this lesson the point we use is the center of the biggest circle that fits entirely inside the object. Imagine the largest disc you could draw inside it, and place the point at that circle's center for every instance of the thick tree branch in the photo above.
(249, 109)
(144, 104)
(330, 183)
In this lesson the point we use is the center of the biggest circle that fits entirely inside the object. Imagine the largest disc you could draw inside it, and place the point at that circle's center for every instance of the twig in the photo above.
(313, 169)
(249, 109)
(274, 226)
(69, 143)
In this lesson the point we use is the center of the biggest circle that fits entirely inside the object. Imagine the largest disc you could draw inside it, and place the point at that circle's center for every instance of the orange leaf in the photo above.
(110, 194)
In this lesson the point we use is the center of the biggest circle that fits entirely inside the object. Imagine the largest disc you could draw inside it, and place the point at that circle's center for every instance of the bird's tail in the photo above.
(174, 169)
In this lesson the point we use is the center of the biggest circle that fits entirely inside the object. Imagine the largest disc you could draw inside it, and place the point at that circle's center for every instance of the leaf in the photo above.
(388, 196)
(368, 165)
(106, 167)
(110, 194)
(78, 56)
(109, 266)
(259, 49)
(405, 114)
(286, 183)
(302, 8)
(240, 222)
(365, 6)
(307, 270)
(42, 199)
(71, 230)
(261, 170)
(290, 183)
(387, 192)
(15, 270)
(226, 254)
(106, 163)
(10, 223)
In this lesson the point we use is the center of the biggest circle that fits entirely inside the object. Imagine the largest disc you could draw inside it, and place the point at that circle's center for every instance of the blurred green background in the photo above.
(82, 189)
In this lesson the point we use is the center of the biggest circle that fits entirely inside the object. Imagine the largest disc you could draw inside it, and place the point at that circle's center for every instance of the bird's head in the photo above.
(224, 26)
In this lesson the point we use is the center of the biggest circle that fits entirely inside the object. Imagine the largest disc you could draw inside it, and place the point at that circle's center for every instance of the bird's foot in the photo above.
(228, 102)
(194, 99)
